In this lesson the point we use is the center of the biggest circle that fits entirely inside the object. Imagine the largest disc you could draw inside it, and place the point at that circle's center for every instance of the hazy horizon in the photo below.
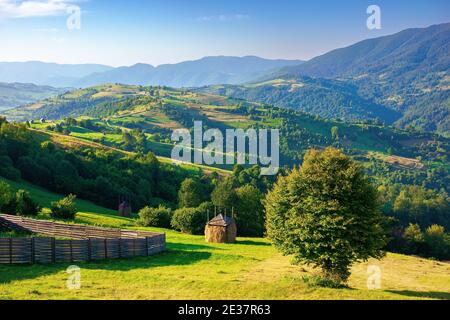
(160, 32)
(138, 62)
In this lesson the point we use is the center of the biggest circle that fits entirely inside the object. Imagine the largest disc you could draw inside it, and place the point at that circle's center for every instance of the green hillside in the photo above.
(406, 72)
(327, 98)
(249, 269)
(143, 118)
(17, 94)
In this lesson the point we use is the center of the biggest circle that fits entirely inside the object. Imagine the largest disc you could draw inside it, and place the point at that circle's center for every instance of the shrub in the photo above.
(190, 220)
(64, 208)
(437, 242)
(415, 243)
(318, 281)
(24, 204)
(155, 217)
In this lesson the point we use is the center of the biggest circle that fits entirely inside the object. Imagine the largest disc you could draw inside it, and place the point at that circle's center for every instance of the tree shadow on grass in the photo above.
(253, 243)
(423, 294)
(189, 246)
(170, 257)
(10, 273)
(164, 259)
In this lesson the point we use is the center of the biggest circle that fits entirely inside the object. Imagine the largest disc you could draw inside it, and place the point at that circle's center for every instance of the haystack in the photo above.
(221, 230)
(125, 209)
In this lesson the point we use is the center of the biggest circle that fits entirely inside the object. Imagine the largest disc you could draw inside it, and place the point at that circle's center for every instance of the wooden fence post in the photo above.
(53, 241)
(10, 251)
(33, 250)
(71, 250)
(106, 249)
(89, 249)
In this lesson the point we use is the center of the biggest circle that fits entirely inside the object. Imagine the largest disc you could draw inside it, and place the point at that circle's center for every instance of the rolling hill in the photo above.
(105, 113)
(50, 74)
(17, 94)
(324, 97)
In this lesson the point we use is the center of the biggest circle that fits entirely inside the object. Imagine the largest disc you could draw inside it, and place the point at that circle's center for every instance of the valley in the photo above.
(322, 177)
(141, 119)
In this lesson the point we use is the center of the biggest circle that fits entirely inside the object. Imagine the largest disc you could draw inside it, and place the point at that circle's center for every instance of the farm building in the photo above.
(221, 229)
(125, 209)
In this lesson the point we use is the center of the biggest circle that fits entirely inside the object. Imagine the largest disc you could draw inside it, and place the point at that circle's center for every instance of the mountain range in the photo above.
(205, 71)
(48, 74)
(406, 72)
(400, 79)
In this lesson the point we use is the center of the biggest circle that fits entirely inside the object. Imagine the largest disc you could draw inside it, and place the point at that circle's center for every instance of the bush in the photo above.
(437, 242)
(24, 204)
(190, 220)
(155, 217)
(64, 208)
(321, 282)
(415, 243)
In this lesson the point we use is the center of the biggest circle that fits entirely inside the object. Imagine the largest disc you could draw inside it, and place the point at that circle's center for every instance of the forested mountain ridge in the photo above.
(406, 72)
(205, 71)
(324, 97)
(404, 55)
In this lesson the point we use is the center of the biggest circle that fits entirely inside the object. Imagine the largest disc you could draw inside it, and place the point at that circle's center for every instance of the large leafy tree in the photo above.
(326, 214)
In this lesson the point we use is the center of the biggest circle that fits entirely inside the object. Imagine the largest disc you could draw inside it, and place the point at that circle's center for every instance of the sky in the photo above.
(123, 32)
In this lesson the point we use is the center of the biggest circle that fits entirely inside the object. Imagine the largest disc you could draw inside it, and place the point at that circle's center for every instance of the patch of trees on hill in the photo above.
(100, 176)
(186, 198)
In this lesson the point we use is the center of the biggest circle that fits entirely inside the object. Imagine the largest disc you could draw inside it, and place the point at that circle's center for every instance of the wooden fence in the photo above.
(84, 243)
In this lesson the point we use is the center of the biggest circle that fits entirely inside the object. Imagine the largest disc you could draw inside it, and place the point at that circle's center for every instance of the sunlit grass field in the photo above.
(193, 269)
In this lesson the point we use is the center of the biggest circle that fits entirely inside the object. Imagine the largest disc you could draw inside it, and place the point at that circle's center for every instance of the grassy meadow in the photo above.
(193, 269)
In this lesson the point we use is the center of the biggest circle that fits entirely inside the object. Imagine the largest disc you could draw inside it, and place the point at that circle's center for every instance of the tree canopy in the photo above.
(326, 214)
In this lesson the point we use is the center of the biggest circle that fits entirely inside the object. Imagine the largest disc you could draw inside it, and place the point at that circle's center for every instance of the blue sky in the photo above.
(167, 31)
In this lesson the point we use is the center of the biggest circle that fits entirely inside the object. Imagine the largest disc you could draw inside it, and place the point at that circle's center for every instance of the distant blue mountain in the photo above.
(206, 71)
(42, 73)
(407, 72)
